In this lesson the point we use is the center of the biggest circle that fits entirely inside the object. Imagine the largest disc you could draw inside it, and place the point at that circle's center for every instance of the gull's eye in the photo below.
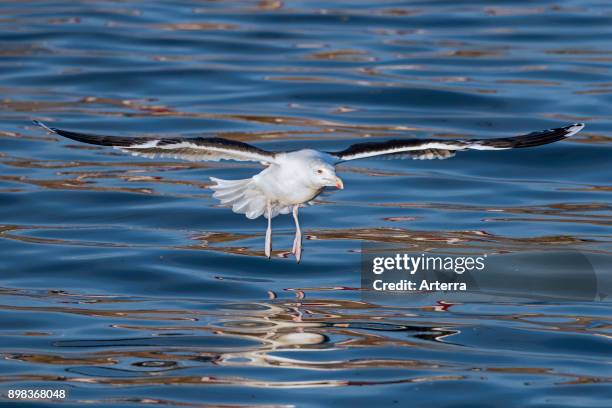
(319, 171)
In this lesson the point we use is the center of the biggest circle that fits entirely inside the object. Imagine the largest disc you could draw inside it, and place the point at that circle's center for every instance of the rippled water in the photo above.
(124, 283)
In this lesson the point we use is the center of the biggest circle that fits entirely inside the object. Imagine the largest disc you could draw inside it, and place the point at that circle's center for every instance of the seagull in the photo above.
(294, 178)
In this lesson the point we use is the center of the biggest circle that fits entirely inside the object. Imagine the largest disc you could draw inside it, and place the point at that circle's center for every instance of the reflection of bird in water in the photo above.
(293, 178)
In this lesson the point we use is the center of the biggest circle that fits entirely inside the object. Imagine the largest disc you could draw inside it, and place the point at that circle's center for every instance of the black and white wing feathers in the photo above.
(193, 149)
(424, 149)
(215, 149)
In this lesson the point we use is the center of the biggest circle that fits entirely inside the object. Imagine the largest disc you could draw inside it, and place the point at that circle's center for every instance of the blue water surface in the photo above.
(125, 283)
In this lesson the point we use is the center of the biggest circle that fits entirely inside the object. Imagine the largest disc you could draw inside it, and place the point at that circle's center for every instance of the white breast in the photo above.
(285, 185)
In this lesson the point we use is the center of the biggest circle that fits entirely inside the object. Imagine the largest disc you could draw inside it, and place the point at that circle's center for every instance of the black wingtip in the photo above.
(573, 129)
(533, 139)
(91, 139)
(42, 125)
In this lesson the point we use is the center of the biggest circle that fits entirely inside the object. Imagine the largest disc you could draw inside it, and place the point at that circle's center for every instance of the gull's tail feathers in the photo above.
(244, 197)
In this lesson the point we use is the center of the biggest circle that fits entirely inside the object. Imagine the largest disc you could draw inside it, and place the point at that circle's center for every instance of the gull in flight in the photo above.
(291, 179)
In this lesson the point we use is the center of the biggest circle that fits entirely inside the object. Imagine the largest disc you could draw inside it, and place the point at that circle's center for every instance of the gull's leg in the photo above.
(268, 248)
(297, 242)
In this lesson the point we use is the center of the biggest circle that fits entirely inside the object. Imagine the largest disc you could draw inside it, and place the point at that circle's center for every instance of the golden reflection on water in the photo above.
(315, 324)
(69, 177)
(413, 240)
(197, 26)
(136, 180)
(429, 340)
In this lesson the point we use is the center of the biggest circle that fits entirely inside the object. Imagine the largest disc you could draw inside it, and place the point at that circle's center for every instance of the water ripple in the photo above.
(125, 283)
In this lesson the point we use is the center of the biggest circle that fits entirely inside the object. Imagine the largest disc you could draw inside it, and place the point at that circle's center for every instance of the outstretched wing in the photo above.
(424, 149)
(193, 149)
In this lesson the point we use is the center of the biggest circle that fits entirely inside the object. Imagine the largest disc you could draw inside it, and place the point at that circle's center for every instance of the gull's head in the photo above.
(324, 175)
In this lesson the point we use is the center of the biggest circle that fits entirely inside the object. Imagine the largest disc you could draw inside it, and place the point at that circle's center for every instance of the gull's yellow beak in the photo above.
(339, 183)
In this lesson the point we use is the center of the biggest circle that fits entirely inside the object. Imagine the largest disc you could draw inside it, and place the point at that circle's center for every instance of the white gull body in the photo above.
(294, 178)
